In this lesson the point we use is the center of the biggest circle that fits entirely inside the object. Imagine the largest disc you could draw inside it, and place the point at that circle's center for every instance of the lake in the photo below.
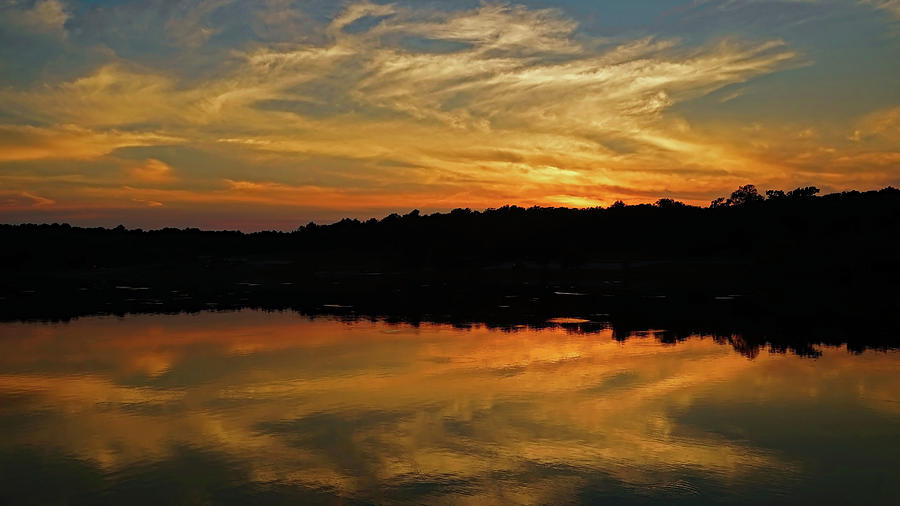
(277, 407)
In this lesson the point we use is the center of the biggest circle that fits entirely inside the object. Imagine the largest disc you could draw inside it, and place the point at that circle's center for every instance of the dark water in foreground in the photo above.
(254, 407)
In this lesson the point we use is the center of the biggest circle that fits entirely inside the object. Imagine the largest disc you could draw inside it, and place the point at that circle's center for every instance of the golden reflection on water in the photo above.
(354, 407)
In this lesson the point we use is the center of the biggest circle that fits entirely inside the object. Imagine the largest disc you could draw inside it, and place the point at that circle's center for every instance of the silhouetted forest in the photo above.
(775, 257)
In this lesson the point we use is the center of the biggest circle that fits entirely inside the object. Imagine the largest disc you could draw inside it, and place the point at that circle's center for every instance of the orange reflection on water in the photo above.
(350, 407)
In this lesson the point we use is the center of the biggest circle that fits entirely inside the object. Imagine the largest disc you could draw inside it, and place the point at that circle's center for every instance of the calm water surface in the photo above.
(254, 407)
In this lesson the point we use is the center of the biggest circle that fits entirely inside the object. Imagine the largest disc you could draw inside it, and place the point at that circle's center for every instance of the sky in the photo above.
(268, 114)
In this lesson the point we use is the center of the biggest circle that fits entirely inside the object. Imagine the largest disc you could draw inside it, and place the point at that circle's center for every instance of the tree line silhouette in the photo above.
(775, 256)
(783, 225)
(741, 224)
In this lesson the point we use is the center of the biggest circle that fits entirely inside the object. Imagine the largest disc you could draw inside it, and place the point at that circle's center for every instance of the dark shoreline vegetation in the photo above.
(785, 271)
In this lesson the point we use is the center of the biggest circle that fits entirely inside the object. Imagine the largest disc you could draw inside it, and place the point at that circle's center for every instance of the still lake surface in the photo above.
(275, 407)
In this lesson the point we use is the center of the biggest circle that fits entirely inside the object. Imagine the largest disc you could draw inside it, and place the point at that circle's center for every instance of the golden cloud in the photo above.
(72, 142)
(884, 124)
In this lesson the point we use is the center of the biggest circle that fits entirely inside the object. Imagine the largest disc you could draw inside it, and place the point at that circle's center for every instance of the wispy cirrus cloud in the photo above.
(521, 79)
(883, 124)
(46, 16)
(890, 6)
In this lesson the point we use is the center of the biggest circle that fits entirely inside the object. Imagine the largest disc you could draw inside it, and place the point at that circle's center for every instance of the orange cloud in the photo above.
(154, 171)
(16, 200)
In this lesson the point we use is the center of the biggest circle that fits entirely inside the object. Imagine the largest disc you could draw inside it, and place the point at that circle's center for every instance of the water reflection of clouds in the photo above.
(347, 407)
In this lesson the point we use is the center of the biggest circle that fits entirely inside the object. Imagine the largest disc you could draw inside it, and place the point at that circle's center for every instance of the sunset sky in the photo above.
(270, 113)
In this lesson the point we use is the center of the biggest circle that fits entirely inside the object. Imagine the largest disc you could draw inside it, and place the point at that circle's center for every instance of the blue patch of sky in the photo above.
(851, 70)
